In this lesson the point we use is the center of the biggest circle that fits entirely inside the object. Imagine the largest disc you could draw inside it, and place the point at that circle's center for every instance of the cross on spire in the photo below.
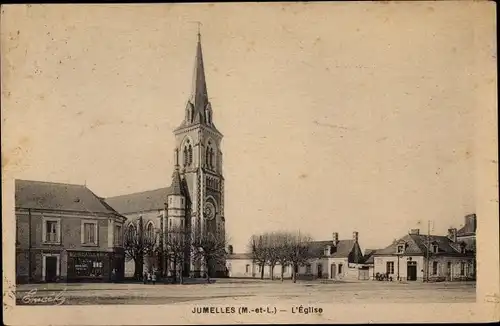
(199, 29)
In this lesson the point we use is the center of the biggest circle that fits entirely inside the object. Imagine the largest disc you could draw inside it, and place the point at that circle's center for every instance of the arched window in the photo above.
(185, 156)
(150, 231)
(211, 158)
(190, 153)
(207, 156)
(130, 233)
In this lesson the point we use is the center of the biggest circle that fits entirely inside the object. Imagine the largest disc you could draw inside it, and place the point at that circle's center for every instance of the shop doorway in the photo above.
(50, 268)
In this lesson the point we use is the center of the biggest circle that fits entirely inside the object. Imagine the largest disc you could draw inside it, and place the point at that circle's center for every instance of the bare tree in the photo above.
(177, 244)
(283, 249)
(258, 252)
(211, 250)
(271, 253)
(138, 245)
(299, 252)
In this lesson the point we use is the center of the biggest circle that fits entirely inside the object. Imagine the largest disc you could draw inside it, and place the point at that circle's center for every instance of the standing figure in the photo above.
(153, 277)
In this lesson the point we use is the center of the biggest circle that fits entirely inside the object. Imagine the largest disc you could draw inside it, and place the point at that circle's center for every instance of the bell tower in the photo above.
(198, 144)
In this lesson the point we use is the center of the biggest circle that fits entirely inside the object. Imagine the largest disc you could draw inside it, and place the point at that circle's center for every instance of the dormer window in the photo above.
(400, 249)
(435, 248)
(463, 248)
(327, 251)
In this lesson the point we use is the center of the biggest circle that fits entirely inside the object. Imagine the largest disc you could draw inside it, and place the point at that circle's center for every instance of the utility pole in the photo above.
(141, 242)
(29, 246)
(427, 251)
(162, 235)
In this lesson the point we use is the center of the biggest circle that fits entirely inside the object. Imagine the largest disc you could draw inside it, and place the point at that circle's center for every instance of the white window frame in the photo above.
(44, 229)
(96, 232)
(389, 267)
(118, 235)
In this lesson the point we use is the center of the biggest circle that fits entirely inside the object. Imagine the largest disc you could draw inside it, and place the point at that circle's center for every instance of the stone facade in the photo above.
(195, 199)
(418, 257)
(332, 259)
(55, 238)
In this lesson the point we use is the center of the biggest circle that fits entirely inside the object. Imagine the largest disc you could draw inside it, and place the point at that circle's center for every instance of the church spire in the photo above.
(199, 94)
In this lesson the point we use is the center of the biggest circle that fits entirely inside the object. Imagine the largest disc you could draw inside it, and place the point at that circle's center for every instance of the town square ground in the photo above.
(246, 291)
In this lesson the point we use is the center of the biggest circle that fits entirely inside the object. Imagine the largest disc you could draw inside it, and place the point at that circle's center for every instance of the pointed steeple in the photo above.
(199, 94)
(176, 188)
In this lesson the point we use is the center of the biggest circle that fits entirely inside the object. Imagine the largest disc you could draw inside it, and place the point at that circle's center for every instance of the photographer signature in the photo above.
(31, 298)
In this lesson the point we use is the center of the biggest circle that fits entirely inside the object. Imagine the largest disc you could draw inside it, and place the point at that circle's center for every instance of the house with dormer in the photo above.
(422, 257)
(334, 259)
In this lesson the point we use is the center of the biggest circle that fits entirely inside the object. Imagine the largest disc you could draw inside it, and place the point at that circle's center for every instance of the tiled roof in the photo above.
(176, 188)
(140, 201)
(58, 196)
(368, 257)
(417, 244)
(344, 248)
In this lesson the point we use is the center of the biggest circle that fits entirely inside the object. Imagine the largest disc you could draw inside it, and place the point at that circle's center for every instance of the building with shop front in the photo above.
(194, 201)
(330, 259)
(421, 257)
(64, 232)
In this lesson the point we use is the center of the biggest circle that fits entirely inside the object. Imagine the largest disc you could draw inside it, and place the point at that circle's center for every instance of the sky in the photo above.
(336, 117)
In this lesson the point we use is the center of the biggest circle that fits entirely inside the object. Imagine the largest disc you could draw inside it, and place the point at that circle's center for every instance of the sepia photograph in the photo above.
(249, 162)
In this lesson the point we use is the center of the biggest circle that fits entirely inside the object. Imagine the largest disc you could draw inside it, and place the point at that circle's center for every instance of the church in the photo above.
(194, 200)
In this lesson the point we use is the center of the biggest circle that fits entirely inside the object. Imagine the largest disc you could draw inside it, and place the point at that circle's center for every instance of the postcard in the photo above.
(243, 163)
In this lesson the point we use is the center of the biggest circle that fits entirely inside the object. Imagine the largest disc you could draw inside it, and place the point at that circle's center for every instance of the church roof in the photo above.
(58, 196)
(140, 201)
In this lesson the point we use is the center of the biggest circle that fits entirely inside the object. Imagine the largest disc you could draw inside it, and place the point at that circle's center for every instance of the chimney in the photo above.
(452, 234)
(470, 222)
(355, 236)
(335, 237)
(415, 231)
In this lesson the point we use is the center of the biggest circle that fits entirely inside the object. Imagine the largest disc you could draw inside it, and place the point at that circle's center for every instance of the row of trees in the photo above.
(178, 245)
(283, 248)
